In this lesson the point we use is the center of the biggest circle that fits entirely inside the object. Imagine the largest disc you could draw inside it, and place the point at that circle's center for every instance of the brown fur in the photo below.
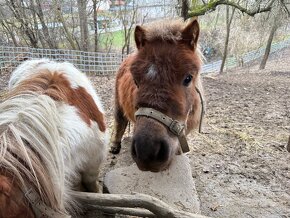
(13, 203)
(124, 82)
(58, 87)
(170, 48)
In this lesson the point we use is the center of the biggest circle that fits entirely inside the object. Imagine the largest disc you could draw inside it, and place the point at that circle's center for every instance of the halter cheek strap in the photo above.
(176, 127)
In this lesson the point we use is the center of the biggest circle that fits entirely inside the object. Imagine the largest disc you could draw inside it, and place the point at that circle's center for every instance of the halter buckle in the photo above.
(175, 127)
(32, 197)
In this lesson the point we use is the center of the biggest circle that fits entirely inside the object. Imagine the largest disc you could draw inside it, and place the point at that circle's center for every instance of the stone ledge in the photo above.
(174, 186)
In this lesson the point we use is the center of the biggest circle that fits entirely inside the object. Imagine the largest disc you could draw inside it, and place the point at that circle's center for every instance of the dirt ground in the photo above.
(239, 162)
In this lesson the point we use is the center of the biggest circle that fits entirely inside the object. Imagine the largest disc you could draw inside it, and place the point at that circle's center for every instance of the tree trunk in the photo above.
(128, 30)
(9, 33)
(125, 41)
(83, 21)
(229, 20)
(184, 9)
(22, 19)
(269, 43)
(60, 19)
(96, 37)
(51, 43)
(38, 33)
(8, 29)
(128, 45)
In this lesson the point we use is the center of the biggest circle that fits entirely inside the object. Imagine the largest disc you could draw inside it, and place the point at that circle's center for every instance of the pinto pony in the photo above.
(52, 140)
(159, 88)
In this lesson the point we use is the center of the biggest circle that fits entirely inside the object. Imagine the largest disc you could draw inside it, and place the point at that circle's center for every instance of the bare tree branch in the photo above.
(284, 6)
(21, 17)
(120, 210)
(60, 18)
(128, 28)
(211, 6)
(157, 207)
(184, 9)
(51, 43)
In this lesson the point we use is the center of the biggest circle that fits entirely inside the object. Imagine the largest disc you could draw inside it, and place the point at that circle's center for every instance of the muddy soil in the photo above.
(239, 162)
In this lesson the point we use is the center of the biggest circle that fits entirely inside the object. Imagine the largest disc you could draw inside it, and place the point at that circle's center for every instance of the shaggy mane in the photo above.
(167, 29)
(37, 139)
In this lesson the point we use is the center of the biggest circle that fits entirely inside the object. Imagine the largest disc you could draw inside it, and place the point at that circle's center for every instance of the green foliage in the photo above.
(117, 39)
(201, 9)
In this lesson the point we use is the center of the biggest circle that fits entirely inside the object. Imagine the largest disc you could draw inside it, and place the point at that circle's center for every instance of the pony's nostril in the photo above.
(163, 152)
(133, 149)
(148, 153)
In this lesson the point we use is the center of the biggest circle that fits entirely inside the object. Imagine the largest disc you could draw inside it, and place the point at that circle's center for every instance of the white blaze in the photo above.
(151, 74)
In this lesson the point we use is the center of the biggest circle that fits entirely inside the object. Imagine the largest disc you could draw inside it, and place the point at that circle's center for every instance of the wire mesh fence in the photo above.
(97, 63)
(248, 57)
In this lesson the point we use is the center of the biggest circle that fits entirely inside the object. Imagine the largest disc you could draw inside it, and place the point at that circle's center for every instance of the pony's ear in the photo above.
(190, 34)
(140, 37)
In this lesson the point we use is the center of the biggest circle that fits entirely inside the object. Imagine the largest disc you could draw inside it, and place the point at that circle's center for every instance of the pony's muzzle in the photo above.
(152, 149)
(150, 155)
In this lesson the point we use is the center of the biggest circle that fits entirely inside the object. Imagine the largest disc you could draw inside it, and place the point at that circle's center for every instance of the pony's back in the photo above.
(52, 132)
(74, 76)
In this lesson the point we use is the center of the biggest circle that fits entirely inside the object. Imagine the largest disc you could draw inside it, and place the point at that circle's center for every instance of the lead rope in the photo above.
(202, 109)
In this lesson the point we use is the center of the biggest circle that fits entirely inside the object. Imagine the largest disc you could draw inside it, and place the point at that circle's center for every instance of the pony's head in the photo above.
(166, 72)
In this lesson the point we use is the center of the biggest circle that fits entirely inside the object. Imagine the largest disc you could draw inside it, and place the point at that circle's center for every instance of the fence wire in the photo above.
(101, 64)
(248, 57)
(95, 63)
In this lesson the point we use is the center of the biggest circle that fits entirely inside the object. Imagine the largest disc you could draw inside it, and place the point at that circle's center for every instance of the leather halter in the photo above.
(175, 126)
(39, 208)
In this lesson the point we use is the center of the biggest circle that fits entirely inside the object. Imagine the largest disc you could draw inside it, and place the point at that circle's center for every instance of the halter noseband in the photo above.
(175, 126)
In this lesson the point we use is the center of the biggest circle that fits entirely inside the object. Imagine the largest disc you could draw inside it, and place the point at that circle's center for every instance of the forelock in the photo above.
(167, 29)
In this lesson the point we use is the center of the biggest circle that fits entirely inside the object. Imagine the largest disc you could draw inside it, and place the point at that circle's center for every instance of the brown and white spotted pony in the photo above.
(159, 88)
(52, 140)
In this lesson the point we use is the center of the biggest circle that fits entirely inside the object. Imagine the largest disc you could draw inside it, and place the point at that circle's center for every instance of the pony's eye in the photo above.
(187, 80)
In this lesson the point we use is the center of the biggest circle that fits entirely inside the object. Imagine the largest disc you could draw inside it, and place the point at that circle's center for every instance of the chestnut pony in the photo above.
(52, 140)
(159, 88)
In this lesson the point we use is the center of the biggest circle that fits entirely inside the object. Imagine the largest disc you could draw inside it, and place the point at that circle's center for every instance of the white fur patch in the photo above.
(75, 77)
(67, 146)
(152, 72)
